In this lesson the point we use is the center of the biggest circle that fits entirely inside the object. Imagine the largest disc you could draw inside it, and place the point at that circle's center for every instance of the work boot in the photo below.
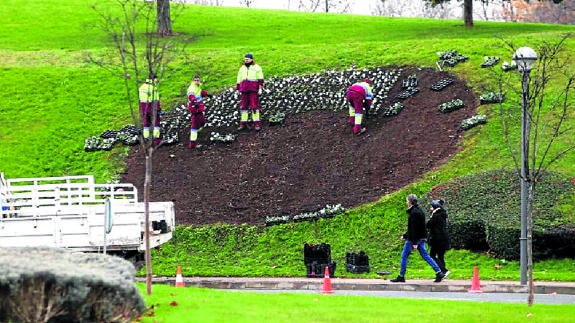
(398, 279)
(362, 130)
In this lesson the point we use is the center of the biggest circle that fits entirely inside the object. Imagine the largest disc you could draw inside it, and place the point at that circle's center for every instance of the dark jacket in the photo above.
(438, 233)
(415, 224)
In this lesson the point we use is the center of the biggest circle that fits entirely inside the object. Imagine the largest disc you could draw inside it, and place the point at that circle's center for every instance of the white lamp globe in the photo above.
(524, 57)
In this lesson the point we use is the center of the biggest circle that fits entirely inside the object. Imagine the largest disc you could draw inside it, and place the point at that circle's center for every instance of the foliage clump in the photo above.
(484, 214)
(451, 58)
(491, 97)
(57, 285)
(451, 106)
(329, 211)
(471, 122)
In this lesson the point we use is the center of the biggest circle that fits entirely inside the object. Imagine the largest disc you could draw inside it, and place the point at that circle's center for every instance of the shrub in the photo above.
(491, 97)
(556, 242)
(450, 106)
(451, 58)
(489, 61)
(329, 211)
(473, 121)
(393, 109)
(484, 213)
(470, 235)
(57, 285)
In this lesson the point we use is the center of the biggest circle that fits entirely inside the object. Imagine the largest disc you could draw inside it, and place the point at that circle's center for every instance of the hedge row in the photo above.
(484, 214)
(57, 285)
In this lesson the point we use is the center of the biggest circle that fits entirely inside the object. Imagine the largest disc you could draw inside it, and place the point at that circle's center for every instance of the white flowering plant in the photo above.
(450, 106)
(327, 212)
(473, 121)
(216, 137)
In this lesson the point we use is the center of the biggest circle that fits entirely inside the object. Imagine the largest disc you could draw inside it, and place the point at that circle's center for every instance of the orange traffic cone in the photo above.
(326, 282)
(179, 278)
(475, 288)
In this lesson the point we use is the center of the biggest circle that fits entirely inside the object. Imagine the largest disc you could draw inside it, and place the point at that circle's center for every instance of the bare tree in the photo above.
(468, 7)
(247, 3)
(308, 6)
(540, 11)
(337, 6)
(545, 113)
(214, 3)
(399, 8)
(138, 51)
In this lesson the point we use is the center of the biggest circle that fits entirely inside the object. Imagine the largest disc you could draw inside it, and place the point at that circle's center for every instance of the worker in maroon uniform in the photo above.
(250, 83)
(150, 99)
(196, 108)
(359, 96)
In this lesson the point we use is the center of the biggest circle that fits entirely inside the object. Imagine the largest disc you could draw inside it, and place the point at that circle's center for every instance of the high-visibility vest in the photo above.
(366, 88)
(195, 90)
(252, 73)
(148, 92)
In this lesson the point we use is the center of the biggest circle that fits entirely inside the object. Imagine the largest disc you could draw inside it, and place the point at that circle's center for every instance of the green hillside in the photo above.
(54, 99)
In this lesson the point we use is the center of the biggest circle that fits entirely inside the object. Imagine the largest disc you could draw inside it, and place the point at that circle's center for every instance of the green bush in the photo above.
(470, 235)
(556, 242)
(471, 122)
(503, 240)
(451, 106)
(57, 285)
(484, 213)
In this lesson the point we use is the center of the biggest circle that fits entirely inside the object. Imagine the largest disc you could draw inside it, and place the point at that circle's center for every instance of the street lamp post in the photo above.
(524, 58)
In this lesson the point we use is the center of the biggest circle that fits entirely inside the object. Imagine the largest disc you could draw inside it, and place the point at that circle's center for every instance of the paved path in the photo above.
(351, 284)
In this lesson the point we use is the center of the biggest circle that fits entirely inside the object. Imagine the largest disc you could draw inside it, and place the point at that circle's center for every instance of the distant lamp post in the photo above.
(524, 58)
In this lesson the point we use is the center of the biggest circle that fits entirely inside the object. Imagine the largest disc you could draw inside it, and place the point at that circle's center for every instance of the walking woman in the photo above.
(438, 238)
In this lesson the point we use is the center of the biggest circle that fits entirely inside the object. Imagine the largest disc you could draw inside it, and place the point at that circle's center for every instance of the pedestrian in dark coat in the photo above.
(438, 238)
(415, 240)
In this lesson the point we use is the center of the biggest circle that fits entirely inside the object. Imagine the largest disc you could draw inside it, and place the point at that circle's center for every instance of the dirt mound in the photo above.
(310, 161)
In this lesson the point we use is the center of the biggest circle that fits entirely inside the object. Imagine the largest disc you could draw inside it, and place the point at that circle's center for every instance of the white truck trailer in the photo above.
(76, 213)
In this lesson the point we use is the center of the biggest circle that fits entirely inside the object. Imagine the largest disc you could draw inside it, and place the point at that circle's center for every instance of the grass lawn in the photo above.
(190, 304)
(54, 99)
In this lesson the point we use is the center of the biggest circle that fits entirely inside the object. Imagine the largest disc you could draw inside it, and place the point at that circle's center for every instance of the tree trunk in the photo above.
(468, 13)
(147, 186)
(164, 20)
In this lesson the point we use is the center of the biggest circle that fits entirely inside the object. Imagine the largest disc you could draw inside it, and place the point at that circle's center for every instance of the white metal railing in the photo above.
(42, 196)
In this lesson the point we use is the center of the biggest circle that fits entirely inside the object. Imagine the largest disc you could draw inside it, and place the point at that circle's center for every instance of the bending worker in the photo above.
(359, 96)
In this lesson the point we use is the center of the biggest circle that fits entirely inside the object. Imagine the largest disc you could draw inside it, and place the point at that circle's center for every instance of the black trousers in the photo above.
(438, 254)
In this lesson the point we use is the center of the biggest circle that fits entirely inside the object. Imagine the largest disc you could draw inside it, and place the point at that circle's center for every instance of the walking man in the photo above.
(415, 240)
(250, 83)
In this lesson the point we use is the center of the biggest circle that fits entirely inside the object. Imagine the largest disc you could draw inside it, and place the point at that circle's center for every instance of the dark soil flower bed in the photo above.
(313, 160)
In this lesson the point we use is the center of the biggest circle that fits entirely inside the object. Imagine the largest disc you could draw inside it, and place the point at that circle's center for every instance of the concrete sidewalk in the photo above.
(281, 283)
